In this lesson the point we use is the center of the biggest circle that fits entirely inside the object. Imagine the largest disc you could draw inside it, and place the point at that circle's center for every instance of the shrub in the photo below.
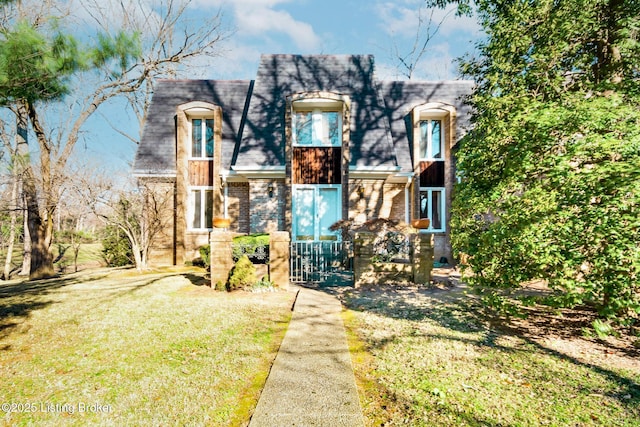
(204, 260)
(220, 286)
(116, 249)
(263, 285)
(243, 274)
(251, 245)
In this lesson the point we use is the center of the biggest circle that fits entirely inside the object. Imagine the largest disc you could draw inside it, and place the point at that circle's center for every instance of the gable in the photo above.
(281, 76)
(156, 154)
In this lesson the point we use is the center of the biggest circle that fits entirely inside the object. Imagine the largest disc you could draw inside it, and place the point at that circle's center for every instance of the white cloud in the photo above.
(261, 17)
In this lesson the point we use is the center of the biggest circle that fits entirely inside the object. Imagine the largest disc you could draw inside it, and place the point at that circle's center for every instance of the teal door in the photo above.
(315, 209)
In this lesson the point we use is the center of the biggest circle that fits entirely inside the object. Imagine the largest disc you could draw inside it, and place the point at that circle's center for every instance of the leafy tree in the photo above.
(551, 169)
(41, 63)
(37, 60)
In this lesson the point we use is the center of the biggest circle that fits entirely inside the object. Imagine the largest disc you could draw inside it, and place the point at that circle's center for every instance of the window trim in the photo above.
(443, 209)
(203, 207)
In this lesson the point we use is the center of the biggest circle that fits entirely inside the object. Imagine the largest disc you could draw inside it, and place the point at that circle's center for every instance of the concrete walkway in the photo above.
(311, 382)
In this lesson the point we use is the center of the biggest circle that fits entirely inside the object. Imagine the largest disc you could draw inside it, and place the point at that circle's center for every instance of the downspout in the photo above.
(225, 196)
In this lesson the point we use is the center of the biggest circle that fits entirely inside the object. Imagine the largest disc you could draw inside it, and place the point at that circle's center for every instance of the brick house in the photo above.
(313, 139)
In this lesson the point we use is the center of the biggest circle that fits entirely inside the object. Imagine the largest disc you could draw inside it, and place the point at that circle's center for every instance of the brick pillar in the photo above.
(279, 247)
(422, 255)
(221, 255)
(362, 254)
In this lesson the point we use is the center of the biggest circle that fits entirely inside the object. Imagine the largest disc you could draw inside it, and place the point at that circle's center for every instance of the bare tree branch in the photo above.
(425, 32)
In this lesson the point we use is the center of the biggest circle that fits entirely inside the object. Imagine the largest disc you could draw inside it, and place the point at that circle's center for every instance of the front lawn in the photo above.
(427, 358)
(112, 347)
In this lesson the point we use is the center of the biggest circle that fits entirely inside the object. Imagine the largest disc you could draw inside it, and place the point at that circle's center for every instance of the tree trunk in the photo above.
(22, 161)
(137, 256)
(39, 231)
(26, 244)
(41, 257)
(12, 230)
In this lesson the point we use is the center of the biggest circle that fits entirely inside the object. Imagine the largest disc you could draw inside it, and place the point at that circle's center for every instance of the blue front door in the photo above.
(315, 208)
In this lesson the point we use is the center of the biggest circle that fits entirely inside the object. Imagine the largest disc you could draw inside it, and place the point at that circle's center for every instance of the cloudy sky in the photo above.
(379, 27)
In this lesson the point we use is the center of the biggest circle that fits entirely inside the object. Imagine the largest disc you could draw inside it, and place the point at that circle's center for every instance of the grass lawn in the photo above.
(426, 358)
(112, 347)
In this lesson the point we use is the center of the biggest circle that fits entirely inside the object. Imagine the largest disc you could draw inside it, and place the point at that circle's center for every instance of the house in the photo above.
(312, 140)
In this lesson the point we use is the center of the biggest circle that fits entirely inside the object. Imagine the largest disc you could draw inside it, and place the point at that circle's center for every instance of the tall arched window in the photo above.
(432, 137)
(198, 137)
(316, 163)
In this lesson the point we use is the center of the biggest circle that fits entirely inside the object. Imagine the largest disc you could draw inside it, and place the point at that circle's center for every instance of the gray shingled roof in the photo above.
(157, 151)
(254, 136)
(401, 97)
(282, 75)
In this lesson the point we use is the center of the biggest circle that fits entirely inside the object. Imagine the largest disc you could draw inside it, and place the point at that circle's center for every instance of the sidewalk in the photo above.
(311, 382)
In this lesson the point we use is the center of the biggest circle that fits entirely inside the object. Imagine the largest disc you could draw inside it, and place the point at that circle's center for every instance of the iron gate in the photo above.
(322, 263)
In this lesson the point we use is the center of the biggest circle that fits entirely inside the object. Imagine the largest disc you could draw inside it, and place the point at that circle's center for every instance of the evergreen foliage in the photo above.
(116, 250)
(243, 274)
(36, 65)
(551, 169)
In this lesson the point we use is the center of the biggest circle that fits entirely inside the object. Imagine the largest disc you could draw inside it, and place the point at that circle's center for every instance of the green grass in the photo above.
(90, 254)
(153, 349)
(427, 361)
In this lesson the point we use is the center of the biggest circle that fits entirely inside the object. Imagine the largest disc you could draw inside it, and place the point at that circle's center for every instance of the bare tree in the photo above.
(173, 43)
(140, 213)
(429, 25)
(169, 43)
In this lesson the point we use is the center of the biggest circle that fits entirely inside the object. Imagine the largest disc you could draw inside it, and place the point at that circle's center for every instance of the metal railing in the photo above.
(321, 262)
(258, 254)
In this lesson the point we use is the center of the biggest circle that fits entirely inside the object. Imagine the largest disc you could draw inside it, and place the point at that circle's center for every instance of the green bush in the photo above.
(249, 244)
(116, 247)
(243, 274)
(551, 165)
(204, 260)
(205, 254)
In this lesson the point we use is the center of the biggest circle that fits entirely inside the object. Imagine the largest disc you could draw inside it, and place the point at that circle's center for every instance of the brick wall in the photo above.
(238, 206)
(379, 200)
(266, 212)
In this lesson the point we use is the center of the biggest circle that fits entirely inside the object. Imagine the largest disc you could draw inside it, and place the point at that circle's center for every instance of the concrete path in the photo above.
(311, 382)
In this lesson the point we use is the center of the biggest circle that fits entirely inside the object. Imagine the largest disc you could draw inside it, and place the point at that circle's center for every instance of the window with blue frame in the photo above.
(431, 140)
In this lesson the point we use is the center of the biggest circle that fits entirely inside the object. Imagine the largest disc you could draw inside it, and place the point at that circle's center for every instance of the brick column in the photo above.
(422, 255)
(221, 255)
(279, 249)
(362, 254)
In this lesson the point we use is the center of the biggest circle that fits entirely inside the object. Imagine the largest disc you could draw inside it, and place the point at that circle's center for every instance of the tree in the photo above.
(39, 67)
(550, 183)
(427, 29)
(173, 45)
(140, 214)
(36, 62)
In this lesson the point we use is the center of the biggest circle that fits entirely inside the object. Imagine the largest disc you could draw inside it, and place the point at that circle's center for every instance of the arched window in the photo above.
(199, 134)
(432, 139)
(317, 133)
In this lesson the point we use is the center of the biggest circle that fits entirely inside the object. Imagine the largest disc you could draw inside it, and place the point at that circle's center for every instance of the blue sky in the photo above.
(334, 27)
(377, 27)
